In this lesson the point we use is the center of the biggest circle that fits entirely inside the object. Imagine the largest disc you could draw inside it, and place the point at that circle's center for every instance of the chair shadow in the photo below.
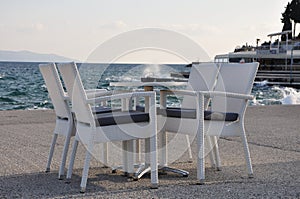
(41, 184)
(102, 181)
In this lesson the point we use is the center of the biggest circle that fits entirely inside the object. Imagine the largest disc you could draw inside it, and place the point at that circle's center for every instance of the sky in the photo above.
(75, 28)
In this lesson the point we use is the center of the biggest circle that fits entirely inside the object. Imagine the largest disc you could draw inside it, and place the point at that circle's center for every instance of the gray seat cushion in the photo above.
(191, 114)
(121, 117)
(140, 108)
(177, 112)
(103, 109)
(219, 116)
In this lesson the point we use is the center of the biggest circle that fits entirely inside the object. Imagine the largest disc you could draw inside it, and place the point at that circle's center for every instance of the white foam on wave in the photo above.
(256, 102)
(38, 108)
(263, 102)
(262, 83)
(290, 95)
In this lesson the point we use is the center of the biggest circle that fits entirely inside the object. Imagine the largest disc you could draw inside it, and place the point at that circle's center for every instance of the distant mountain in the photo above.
(28, 56)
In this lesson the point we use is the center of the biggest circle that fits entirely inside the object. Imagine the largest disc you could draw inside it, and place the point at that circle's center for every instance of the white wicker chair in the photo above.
(230, 96)
(64, 118)
(92, 93)
(115, 126)
(226, 114)
(202, 78)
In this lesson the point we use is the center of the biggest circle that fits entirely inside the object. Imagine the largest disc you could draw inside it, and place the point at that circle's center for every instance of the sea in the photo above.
(22, 86)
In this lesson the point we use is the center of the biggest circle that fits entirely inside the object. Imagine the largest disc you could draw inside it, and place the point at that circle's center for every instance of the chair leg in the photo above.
(65, 153)
(200, 144)
(247, 153)
(105, 154)
(85, 171)
(211, 152)
(130, 158)
(125, 157)
(54, 138)
(216, 153)
(137, 151)
(153, 161)
(72, 159)
(147, 152)
(164, 148)
(189, 148)
(200, 159)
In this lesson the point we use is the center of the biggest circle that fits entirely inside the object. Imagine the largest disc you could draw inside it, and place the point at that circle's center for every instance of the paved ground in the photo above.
(274, 138)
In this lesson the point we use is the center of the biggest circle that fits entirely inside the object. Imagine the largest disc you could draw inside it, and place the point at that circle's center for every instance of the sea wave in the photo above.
(289, 95)
(6, 100)
(17, 92)
(4, 77)
(22, 85)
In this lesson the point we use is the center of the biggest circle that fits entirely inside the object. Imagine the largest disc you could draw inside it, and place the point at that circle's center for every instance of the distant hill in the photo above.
(28, 56)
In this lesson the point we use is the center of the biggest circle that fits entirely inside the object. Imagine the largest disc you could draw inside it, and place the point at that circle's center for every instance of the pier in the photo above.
(273, 137)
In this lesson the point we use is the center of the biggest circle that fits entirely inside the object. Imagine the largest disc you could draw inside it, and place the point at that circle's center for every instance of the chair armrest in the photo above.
(91, 94)
(66, 97)
(226, 94)
(95, 90)
(164, 93)
(178, 92)
(105, 93)
(119, 96)
(207, 94)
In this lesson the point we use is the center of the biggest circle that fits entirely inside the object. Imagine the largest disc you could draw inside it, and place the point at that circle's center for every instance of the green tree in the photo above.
(286, 20)
(295, 13)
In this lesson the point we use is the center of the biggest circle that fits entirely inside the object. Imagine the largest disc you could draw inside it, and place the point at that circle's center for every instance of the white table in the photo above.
(148, 86)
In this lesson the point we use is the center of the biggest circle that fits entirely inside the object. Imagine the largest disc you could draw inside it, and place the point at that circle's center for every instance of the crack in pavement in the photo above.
(263, 145)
